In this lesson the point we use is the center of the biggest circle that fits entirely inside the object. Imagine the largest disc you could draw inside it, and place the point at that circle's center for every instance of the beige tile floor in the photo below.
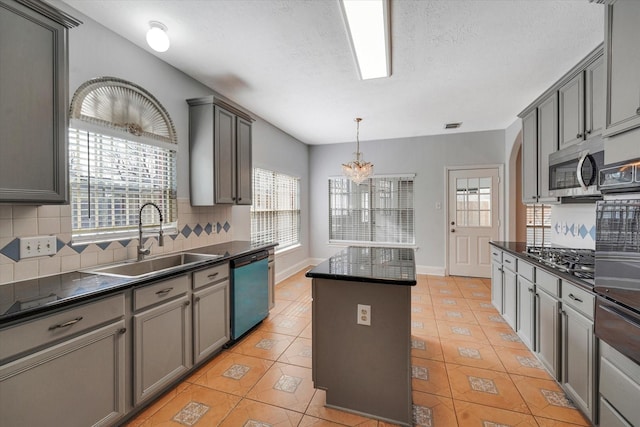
(469, 369)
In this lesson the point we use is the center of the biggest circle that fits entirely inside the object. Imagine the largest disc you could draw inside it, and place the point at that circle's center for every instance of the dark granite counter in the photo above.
(519, 249)
(390, 266)
(34, 296)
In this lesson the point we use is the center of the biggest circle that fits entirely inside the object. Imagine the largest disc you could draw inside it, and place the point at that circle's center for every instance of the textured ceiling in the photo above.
(479, 62)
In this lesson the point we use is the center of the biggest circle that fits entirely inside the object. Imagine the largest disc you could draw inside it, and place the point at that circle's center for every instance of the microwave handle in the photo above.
(579, 171)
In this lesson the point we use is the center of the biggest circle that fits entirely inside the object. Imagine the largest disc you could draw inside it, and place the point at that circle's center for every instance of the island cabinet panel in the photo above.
(363, 368)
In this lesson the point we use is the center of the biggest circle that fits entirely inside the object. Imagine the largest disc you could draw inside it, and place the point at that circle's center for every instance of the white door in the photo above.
(473, 220)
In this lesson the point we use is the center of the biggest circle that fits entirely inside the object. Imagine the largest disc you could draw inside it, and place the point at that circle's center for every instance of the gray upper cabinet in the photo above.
(33, 102)
(572, 111)
(530, 157)
(622, 53)
(220, 153)
(547, 144)
(582, 104)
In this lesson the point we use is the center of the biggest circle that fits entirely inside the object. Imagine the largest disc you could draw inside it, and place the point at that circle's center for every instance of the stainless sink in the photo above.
(151, 266)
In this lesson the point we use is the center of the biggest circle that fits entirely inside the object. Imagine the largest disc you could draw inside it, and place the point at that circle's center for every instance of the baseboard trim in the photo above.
(430, 270)
(294, 269)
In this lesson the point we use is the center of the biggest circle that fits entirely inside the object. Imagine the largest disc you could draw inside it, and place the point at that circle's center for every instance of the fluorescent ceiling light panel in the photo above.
(368, 25)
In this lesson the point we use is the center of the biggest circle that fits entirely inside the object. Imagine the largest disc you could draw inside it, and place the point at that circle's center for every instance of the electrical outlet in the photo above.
(364, 315)
(37, 246)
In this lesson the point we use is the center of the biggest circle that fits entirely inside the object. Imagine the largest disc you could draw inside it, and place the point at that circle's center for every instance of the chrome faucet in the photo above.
(141, 249)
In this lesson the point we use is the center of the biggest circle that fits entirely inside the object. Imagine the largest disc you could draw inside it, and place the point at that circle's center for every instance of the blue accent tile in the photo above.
(226, 227)
(592, 232)
(12, 250)
(218, 228)
(583, 231)
(125, 243)
(59, 245)
(186, 230)
(571, 229)
(557, 227)
(197, 229)
(174, 236)
(79, 248)
(103, 245)
(208, 228)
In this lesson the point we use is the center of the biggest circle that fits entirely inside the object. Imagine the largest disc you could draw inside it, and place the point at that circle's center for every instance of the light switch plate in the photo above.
(31, 247)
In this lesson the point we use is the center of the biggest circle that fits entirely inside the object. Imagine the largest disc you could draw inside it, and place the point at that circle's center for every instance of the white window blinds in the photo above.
(275, 213)
(110, 178)
(380, 210)
(538, 225)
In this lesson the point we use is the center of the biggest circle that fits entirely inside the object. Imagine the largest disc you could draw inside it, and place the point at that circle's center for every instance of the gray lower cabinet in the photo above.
(210, 320)
(510, 302)
(619, 389)
(33, 102)
(162, 337)
(579, 347)
(525, 312)
(79, 382)
(622, 33)
(497, 285)
(547, 341)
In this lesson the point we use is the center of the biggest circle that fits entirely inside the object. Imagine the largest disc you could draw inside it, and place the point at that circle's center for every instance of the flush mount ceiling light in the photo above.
(357, 170)
(367, 22)
(157, 37)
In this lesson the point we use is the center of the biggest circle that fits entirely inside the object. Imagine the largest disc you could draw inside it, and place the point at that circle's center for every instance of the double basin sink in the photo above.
(153, 266)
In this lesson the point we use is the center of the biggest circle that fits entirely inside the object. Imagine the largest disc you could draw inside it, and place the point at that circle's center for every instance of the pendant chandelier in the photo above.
(357, 170)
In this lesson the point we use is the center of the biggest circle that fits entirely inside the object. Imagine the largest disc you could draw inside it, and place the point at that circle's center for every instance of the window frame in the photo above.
(273, 214)
(368, 214)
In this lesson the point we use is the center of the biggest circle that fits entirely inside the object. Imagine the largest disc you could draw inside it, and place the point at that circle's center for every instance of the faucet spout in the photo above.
(141, 249)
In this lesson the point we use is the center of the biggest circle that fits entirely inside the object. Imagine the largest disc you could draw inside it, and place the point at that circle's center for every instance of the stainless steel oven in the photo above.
(617, 275)
(573, 171)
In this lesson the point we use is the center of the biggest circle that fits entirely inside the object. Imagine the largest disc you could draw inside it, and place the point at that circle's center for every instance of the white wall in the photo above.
(425, 156)
(95, 51)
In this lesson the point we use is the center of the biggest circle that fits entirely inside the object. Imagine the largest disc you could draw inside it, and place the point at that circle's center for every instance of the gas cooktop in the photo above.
(576, 262)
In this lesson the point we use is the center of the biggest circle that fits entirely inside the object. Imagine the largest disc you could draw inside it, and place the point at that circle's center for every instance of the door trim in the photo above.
(501, 203)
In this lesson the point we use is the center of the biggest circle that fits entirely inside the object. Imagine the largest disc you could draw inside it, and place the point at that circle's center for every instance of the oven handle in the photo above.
(579, 171)
(620, 314)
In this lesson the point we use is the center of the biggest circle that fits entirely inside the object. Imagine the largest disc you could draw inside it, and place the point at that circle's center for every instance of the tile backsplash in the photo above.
(574, 225)
(198, 226)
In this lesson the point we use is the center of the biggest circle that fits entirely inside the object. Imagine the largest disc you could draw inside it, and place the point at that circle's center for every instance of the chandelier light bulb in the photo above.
(357, 170)
(157, 37)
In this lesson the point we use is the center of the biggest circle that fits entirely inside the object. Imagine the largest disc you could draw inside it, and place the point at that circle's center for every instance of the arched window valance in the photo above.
(118, 104)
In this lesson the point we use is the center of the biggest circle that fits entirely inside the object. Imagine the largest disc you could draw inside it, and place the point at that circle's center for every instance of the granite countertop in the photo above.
(34, 296)
(390, 266)
(519, 249)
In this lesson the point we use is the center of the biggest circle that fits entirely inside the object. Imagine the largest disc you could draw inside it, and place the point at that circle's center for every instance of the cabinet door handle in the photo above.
(164, 292)
(65, 324)
(589, 132)
(573, 297)
(531, 290)
(187, 303)
(122, 330)
(212, 275)
(579, 136)
(197, 299)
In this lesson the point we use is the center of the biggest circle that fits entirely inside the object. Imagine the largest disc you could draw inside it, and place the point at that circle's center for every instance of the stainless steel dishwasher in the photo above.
(249, 292)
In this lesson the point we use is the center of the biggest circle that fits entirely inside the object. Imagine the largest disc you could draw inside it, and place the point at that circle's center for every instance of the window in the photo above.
(111, 178)
(275, 213)
(538, 225)
(122, 154)
(380, 210)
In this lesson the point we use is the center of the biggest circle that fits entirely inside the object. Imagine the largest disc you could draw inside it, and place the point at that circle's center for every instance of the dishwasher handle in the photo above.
(248, 259)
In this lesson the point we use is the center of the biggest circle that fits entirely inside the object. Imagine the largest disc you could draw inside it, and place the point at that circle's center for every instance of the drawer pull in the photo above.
(187, 303)
(494, 254)
(531, 290)
(65, 324)
(575, 298)
(122, 330)
(507, 261)
(212, 275)
(164, 292)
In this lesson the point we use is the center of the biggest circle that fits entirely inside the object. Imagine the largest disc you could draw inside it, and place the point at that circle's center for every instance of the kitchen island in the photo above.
(361, 323)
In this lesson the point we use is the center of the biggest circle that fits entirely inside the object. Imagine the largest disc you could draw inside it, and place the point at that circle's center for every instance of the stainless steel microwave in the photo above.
(573, 171)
